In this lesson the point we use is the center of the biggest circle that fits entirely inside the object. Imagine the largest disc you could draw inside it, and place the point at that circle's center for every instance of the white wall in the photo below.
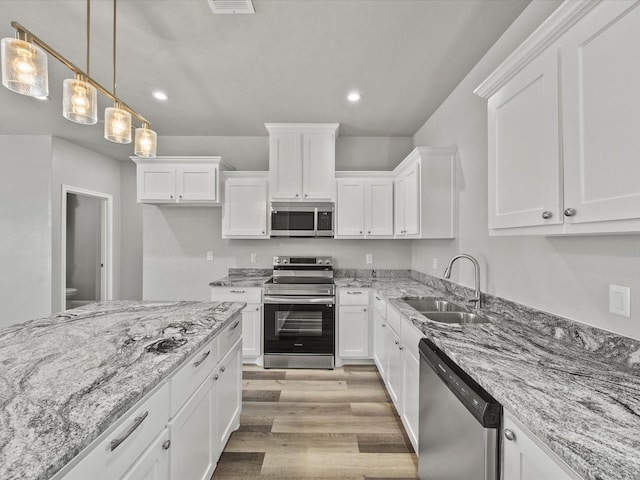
(176, 240)
(568, 276)
(131, 235)
(80, 167)
(25, 238)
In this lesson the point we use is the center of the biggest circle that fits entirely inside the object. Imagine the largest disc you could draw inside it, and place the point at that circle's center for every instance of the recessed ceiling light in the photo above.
(159, 95)
(353, 97)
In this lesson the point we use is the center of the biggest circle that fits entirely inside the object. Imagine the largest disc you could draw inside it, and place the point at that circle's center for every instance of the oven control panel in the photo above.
(303, 261)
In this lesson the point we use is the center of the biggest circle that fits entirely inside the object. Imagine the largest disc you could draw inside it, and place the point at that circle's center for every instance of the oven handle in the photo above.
(298, 299)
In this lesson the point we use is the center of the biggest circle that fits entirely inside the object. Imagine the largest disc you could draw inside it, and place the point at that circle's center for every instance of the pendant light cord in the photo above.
(88, 35)
(114, 49)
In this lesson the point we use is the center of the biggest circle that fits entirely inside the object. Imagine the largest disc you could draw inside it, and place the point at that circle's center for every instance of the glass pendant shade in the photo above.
(24, 68)
(117, 125)
(79, 101)
(146, 142)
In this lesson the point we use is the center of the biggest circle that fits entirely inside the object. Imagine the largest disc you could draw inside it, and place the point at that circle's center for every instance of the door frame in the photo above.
(106, 242)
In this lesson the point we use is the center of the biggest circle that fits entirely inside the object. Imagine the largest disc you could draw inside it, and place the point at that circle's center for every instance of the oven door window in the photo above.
(294, 328)
(288, 221)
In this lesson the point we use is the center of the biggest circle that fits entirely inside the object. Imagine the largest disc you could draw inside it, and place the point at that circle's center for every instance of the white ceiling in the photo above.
(292, 61)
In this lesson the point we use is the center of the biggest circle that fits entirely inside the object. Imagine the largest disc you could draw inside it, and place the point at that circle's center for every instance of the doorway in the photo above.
(87, 247)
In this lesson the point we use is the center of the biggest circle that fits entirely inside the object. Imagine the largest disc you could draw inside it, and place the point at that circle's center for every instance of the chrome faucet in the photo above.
(477, 298)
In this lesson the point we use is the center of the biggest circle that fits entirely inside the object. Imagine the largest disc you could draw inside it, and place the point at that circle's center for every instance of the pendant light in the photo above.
(24, 66)
(79, 97)
(146, 141)
(117, 121)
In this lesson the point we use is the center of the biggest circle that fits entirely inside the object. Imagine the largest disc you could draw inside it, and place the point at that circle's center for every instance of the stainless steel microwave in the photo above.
(302, 219)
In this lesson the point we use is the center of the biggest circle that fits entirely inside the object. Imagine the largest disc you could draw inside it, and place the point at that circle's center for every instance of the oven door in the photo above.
(299, 325)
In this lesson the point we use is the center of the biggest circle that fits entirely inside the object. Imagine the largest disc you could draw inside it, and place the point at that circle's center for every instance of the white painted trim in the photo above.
(303, 128)
(563, 18)
(106, 283)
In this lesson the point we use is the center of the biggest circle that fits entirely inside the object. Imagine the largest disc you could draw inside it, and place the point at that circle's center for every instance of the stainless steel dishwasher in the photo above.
(459, 422)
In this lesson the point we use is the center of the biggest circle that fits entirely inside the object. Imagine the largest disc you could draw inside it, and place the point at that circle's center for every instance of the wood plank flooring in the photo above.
(317, 424)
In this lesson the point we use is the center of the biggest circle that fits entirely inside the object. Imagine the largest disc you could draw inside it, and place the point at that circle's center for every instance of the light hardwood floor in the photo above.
(316, 424)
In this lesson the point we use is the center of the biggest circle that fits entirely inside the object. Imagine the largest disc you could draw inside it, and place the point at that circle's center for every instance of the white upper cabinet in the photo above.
(244, 213)
(364, 206)
(302, 161)
(189, 180)
(567, 163)
(425, 194)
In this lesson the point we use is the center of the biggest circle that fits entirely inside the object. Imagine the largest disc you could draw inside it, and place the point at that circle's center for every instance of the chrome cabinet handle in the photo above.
(136, 423)
(238, 291)
(235, 325)
(222, 369)
(569, 212)
(166, 444)
(400, 347)
(378, 298)
(355, 293)
(216, 377)
(397, 342)
(197, 363)
(547, 214)
(509, 435)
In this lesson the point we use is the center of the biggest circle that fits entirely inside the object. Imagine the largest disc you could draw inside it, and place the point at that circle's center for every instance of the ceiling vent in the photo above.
(231, 6)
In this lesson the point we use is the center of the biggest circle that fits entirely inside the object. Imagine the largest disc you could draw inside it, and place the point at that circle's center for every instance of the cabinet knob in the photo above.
(222, 369)
(257, 309)
(180, 196)
(397, 342)
(297, 195)
(400, 347)
(170, 196)
(384, 325)
(263, 232)
(360, 232)
(216, 377)
(547, 214)
(569, 212)
(509, 435)
(369, 232)
(166, 444)
(306, 194)
(364, 309)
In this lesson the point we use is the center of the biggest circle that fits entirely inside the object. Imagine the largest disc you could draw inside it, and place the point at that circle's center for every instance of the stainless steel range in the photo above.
(299, 313)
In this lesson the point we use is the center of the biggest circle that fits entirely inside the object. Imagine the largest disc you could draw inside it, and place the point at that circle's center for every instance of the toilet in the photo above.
(69, 293)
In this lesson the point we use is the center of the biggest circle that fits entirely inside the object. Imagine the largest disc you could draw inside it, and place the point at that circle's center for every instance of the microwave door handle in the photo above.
(315, 222)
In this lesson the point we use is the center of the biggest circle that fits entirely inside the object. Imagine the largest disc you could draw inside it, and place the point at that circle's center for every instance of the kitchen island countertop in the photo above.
(66, 378)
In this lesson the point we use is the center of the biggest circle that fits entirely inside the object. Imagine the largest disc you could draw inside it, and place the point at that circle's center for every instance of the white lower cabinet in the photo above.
(410, 401)
(524, 457)
(353, 332)
(395, 375)
(229, 393)
(194, 439)
(380, 343)
(154, 463)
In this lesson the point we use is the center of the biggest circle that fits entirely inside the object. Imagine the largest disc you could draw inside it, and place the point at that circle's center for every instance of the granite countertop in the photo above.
(66, 378)
(583, 404)
(244, 277)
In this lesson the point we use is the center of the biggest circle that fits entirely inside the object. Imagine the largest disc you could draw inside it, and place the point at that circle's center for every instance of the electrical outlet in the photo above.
(434, 263)
(369, 258)
(209, 256)
(254, 258)
(620, 300)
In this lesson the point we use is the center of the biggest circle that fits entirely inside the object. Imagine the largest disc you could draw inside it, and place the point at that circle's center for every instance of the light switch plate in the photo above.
(254, 258)
(620, 300)
(209, 256)
(369, 258)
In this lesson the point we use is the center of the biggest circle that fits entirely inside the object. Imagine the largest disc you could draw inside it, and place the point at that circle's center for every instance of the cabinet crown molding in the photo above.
(566, 15)
(419, 152)
(303, 128)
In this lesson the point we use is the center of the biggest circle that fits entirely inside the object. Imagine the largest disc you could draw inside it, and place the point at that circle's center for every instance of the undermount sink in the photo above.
(431, 305)
(455, 317)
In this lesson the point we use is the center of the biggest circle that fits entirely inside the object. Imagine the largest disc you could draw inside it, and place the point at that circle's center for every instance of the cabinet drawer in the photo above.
(410, 336)
(136, 431)
(380, 305)
(229, 336)
(192, 374)
(236, 294)
(394, 319)
(353, 296)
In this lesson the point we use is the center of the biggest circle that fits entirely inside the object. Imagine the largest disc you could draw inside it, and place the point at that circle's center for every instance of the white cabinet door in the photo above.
(196, 182)
(285, 166)
(601, 114)
(412, 200)
(411, 404)
(395, 375)
(525, 458)
(154, 463)
(252, 330)
(378, 207)
(399, 207)
(524, 147)
(380, 343)
(318, 166)
(229, 393)
(156, 182)
(194, 440)
(353, 331)
(245, 208)
(349, 207)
